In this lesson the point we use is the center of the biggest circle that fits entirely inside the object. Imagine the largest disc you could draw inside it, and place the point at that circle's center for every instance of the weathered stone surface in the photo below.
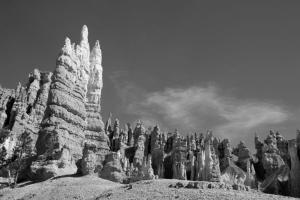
(64, 121)
(116, 143)
(277, 161)
(243, 154)
(42, 97)
(272, 162)
(225, 152)
(33, 88)
(211, 168)
(190, 165)
(251, 179)
(199, 165)
(295, 169)
(179, 156)
(113, 170)
(271, 155)
(233, 175)
(73, 109)
(93, 96)
(277, 182)
(144, 172)
(17, 111)
(157, 151)
(89, 160)
(138, 131)
(140, 151)
(130, 135)
(94, 88)
(7, 99)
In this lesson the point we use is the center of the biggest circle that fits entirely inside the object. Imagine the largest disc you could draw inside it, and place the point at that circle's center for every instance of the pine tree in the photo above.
(3, 154)
(21, 152)
(15, 163)
(4, 162)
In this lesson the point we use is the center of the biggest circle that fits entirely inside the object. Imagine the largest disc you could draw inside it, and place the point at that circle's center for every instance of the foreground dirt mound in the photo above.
(178, 189)
(86, 187)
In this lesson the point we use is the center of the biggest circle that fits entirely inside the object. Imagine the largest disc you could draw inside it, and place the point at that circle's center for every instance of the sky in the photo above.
(228, 66)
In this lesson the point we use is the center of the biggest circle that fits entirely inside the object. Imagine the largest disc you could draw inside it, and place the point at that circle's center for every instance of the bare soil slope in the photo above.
(86, 187)
(159, 189)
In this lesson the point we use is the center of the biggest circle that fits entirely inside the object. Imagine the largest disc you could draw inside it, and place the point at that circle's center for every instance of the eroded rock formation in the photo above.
(273, 164)
(62, 113)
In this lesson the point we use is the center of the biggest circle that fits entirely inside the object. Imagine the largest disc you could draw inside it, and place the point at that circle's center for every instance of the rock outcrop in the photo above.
(61, 138)
(275, 164)
(94, 131)
(113, 170)
(89, 160)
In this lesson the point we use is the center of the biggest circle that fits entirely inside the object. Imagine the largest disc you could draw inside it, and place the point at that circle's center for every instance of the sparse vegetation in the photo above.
(16, 162)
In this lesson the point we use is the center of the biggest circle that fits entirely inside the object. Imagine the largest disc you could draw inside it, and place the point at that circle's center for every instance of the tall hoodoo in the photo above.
(95, 132)
(72, 116)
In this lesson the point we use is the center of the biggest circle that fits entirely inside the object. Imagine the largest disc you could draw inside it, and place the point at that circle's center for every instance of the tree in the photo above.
(4, 133)
(21, 153)
(4, 162)
(3, 154)
(17, 162)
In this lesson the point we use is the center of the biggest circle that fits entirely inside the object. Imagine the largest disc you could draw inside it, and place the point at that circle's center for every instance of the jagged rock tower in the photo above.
(72, 116)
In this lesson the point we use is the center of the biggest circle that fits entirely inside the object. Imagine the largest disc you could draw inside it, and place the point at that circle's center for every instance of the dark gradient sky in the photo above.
(242, 53)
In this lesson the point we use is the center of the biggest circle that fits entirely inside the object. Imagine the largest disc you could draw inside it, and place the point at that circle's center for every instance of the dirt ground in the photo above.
(94, 188)
(159, 189)
(87, 187)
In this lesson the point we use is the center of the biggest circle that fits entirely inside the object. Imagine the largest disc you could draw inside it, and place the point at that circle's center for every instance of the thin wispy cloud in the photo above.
(197, 108)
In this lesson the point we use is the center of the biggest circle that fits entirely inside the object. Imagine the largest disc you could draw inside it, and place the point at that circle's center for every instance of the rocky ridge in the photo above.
(62, 113)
